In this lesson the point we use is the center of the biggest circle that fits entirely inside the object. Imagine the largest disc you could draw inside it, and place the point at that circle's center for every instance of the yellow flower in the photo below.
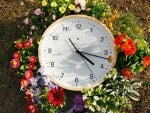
(31, 1)
(67, 0)
(128, 28)
(62, 9)
(53, 4)
(149, 30)
(44, 3)
(110, 26)
(140, 31)
(72, 7)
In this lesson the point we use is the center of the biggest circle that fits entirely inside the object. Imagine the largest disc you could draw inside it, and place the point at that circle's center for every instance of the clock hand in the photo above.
(80, 53)
(109, 58)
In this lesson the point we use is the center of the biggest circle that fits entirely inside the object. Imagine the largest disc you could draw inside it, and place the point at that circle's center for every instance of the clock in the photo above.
(77, 52)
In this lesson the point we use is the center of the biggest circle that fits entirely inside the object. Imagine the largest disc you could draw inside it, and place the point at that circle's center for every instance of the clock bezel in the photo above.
(58, 21)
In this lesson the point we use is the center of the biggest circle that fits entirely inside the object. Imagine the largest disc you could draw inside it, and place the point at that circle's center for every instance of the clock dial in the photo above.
(77, 52)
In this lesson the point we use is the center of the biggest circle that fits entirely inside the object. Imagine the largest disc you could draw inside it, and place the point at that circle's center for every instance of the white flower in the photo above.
(32, 27)
(41, 70)
(84, 97)
(110, 112)
(77, 10)
(98, 108)
(94, 103)
(35, 92)
(33, 82)
(96, 98)
(92, 108)
(82, 3)
(54, 17)
(103, 110)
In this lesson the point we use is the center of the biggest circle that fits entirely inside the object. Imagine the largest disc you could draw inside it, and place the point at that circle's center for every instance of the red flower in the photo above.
(28, 74)
(128, 47)
(31, 66)
(28, 97)
(31, 108)
(56, 96)
(17, 55)
(127, 73)
(24, 83)
(27, 44)
(119, 39)
(32, 59)
(15, 63)
(146, 61)
(19, 45)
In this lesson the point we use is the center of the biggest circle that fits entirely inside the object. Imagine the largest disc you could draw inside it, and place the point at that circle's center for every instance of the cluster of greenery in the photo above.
(113, 95)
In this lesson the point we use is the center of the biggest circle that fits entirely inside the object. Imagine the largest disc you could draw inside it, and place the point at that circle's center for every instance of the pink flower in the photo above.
(32, 108)
(26, 21)
(19, 45)
(21, 3)
(26, 13)
(15, 63)
(37, 11)
(28, 74)
(27, 44)
(24, 83)
(17, 55)
(32, 59)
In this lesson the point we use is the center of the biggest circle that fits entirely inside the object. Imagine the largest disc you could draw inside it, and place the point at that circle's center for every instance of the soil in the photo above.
(12, 99)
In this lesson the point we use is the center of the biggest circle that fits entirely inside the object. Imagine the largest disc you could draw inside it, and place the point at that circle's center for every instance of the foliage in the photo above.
(129, 25)
(99, 8)
(113, 95)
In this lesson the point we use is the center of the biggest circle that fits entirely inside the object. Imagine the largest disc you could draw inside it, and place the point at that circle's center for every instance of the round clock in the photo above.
(77, 52)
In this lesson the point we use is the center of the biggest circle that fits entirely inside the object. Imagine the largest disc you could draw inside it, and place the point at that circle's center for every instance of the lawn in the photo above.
(12, 99)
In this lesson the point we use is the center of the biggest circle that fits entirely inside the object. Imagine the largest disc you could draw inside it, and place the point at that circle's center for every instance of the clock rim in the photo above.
(76, 16)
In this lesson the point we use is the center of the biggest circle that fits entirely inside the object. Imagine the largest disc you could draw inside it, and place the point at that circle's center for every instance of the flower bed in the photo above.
(119, 87)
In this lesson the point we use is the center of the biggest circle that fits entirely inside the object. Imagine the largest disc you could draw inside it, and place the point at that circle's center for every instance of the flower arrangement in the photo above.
(119, 87)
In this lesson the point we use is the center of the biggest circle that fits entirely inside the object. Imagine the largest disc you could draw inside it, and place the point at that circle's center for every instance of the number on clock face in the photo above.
(75, 51)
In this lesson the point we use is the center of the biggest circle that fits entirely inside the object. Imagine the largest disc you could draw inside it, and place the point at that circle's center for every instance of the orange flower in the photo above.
(128, 47)
(127, 73)
(146, 61)
(119, 39)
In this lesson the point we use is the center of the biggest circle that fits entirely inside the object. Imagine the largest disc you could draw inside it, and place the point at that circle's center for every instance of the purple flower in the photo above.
(78, 100)
(41, 82)
(26, 21)
(37, 99)
(78, 108)
(37, 11)
(78, 103)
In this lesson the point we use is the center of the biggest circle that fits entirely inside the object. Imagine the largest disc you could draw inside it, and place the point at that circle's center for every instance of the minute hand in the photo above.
(93, 55)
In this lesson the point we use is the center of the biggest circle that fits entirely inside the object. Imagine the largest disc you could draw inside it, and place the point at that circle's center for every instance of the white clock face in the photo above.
(77, 52)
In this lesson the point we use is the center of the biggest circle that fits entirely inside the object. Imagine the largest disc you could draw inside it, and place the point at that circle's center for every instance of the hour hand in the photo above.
(80, 52)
